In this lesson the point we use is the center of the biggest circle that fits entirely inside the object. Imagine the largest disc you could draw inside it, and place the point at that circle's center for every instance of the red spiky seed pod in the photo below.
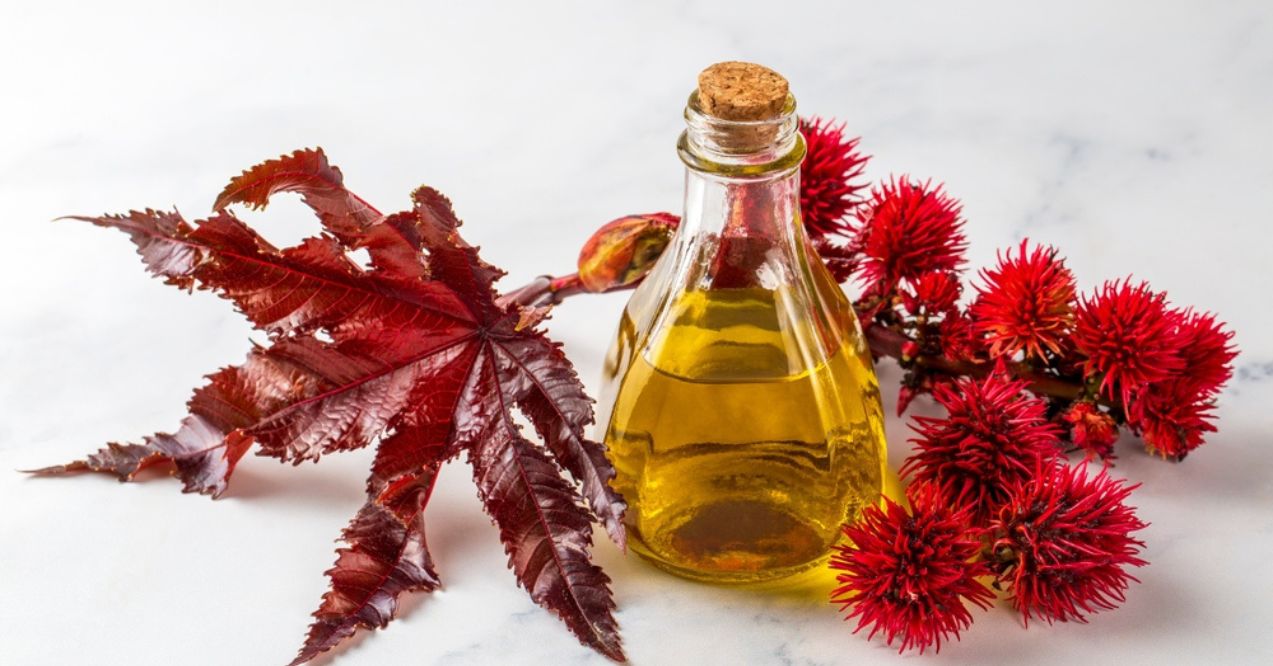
(933, 293)
(1027, 303)
(830, 185)
(1172, 417)
(907, 229)
(1128, 336)
(1091, 429)
(1206, 352)
(907, 576)
(1062, 544)
(994, 436)
(960, 339)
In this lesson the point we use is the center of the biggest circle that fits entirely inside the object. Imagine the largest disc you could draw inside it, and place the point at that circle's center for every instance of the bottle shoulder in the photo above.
(741, 333)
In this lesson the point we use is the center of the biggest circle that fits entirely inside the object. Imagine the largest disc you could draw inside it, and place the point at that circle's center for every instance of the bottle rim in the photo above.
(741, 148)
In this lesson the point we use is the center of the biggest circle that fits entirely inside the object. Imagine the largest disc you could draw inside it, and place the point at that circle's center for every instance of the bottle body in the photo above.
(745, 424)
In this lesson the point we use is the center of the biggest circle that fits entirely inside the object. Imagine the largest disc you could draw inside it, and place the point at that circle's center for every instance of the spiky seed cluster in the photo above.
(1128, 336)
(1206, 352)
(1091, 429)
(907, 229)
(1165, 365)
(1174, 414)
(1172, 417)
(906, 576)
(1027, 303)
(994, 436)
(959, 338)
(1063, 544)
(830, 188)
(933, 293)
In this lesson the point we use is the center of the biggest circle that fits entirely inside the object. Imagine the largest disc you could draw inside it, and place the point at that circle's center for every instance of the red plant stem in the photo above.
(569, 285)
(887, 342)
(548, 290)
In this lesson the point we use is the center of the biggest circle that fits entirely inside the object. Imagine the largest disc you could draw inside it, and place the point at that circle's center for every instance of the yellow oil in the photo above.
(742, 440)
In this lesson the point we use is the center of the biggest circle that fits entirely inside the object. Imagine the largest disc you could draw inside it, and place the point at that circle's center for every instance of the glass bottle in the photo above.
(745, 423)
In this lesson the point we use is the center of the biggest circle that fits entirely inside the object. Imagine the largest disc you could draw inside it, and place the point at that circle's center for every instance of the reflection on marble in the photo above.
(1135, 136)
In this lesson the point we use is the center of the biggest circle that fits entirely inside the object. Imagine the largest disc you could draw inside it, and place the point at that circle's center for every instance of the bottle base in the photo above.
(732, 579)
(733, 542)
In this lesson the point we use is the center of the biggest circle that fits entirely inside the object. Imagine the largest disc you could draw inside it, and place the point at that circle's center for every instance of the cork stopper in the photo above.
(741, 91)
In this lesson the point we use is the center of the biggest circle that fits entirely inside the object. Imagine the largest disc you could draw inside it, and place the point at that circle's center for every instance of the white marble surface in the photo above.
(1136, 136)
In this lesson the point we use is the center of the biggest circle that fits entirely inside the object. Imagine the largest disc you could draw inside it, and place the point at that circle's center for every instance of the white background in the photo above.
(1136, 136)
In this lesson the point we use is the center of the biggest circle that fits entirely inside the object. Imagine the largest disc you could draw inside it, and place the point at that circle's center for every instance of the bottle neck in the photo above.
(742, 199)
(741, 148)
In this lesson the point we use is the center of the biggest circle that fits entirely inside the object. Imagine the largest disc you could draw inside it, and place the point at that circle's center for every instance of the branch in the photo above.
(887, 342)
(548, 290)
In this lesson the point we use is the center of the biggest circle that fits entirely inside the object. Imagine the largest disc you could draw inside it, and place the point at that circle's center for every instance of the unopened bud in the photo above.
(622, 251)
